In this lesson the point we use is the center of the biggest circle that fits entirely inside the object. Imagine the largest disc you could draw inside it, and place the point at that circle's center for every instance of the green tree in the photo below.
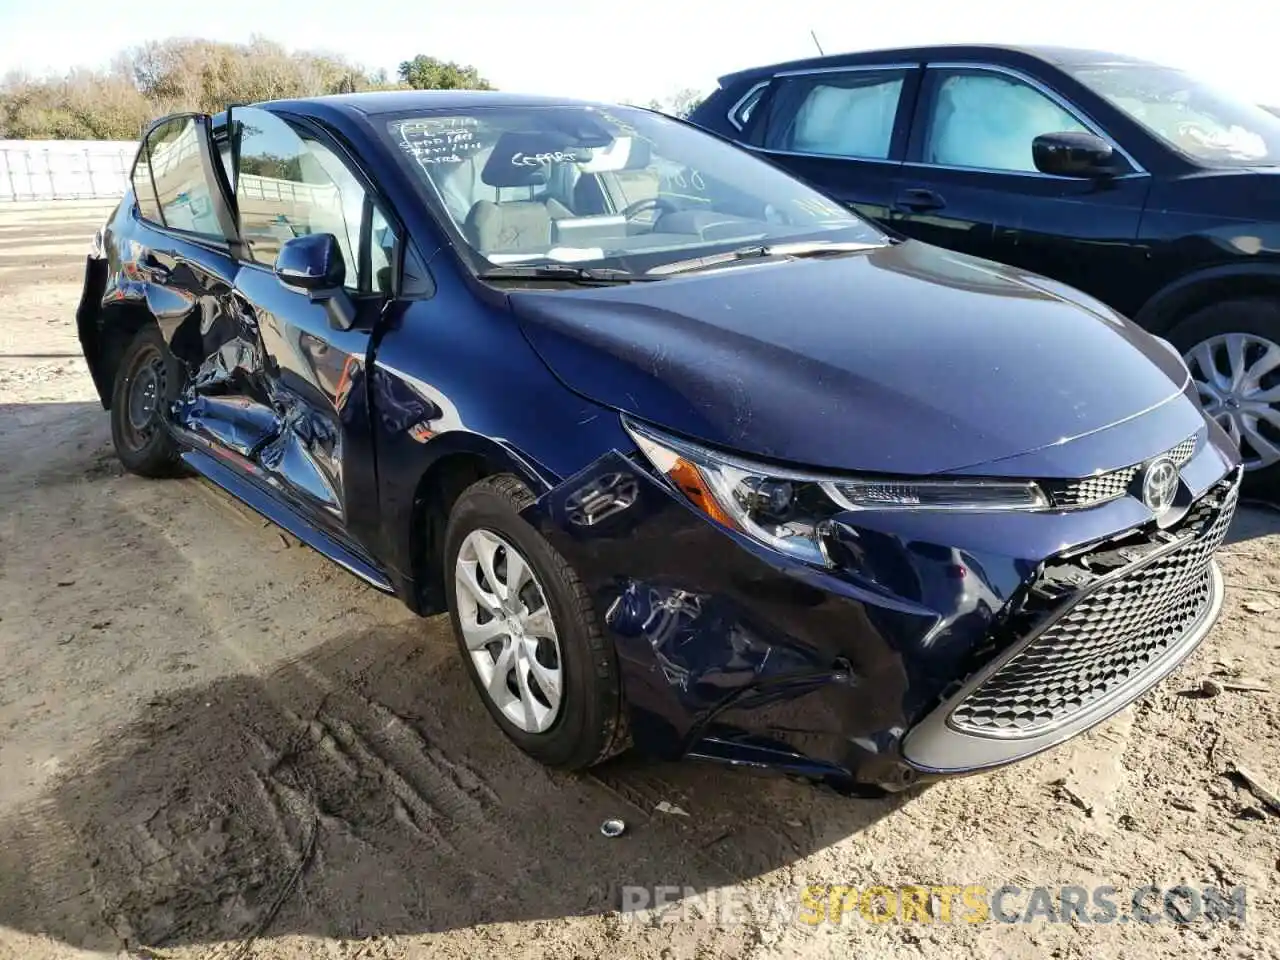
(166, 76)
(679, 104)
(428, 73)
(684, 102)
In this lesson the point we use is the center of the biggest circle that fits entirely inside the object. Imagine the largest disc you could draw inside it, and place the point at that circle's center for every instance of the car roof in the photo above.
(377, 102)
(1059, 56)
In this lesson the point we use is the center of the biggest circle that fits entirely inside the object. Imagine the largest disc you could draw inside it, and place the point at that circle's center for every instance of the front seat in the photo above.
(513, 226)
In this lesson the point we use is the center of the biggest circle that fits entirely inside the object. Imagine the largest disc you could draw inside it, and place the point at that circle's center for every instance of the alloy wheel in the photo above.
(508, 631)
(1238, 378)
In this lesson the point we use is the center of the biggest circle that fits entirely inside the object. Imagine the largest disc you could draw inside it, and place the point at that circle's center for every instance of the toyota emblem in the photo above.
(1159, 484)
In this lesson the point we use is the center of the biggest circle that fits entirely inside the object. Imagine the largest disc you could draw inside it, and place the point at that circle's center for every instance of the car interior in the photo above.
(523, 195)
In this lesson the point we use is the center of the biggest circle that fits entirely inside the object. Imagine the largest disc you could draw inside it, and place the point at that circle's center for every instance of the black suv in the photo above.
(1129, 180)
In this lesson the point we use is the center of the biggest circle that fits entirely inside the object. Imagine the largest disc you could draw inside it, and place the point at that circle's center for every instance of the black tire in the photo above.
(143, 443)
(589, 727)
(1253, 315)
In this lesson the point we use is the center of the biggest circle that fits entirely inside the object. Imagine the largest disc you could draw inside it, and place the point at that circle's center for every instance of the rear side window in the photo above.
(836, 114)
(182, 191)
(144, 190)
(987, 121)
(740, 114)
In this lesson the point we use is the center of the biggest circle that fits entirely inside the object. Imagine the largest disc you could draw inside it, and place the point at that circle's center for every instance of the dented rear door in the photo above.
(183, 271)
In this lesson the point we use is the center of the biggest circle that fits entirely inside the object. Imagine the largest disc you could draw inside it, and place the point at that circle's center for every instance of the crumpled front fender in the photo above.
(728, 650)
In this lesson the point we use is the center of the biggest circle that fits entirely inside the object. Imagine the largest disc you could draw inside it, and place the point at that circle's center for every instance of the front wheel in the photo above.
(528, 632)
(146, 384)
(1232, 349)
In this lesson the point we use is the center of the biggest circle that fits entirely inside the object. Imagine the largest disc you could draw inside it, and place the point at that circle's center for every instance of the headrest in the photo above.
(521, 159)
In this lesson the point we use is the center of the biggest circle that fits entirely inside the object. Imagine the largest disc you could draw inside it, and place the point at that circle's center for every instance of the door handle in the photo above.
(919, 200)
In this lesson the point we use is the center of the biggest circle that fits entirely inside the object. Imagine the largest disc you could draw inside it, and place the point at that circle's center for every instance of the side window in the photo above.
(144, 191)
(224, 156)
(741, 112)
(170, 183)
(382, 252)
(290, 184)
(988, 120)
(836, 114)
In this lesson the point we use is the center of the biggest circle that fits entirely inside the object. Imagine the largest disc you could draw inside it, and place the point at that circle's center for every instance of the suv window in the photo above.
(987, 121)
(836, 114)
(181, 198)
(741, 112)
(1212, 127)
(290, 184)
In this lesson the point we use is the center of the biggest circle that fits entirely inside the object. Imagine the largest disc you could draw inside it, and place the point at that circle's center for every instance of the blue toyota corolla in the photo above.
(694, 458)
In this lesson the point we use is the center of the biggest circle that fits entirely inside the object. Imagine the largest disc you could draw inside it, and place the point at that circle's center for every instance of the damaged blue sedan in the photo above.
(695, 458)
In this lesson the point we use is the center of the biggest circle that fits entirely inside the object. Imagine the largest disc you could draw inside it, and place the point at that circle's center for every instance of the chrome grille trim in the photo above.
(1091, 491)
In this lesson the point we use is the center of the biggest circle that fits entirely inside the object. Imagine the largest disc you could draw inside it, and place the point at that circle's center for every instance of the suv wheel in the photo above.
(1233, 351)
(528, 632)
(147, 382)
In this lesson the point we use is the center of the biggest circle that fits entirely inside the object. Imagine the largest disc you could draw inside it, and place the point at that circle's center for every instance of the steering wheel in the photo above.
(648, 203)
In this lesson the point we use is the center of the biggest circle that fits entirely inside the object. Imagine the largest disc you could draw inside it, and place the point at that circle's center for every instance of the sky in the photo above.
(641, 49)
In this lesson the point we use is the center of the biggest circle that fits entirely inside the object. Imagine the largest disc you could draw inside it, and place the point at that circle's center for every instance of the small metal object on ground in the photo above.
(613, 828)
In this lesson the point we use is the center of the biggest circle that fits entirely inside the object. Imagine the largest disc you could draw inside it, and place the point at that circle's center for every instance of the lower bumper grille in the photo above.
(1111, 636)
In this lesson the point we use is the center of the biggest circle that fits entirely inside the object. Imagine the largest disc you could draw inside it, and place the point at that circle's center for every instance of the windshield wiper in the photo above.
(808, 248)
(563, 272)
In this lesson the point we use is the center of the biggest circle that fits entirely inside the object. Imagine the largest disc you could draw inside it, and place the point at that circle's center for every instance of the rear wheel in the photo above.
(1233, 352)
(146, 384)
(528, 631)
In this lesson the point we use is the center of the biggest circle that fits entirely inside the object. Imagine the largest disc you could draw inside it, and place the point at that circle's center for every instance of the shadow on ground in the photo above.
(1255, 518)
(363, 790)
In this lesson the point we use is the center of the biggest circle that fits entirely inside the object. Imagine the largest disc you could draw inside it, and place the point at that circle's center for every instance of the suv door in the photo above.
(290, 181)
(969, 182)
(842, 130)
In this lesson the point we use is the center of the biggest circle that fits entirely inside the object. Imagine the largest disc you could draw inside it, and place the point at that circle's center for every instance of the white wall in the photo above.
(64, 169)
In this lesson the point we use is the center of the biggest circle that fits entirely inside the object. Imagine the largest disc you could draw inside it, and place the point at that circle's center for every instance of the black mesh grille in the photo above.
(1108, 486)
(1119, 629)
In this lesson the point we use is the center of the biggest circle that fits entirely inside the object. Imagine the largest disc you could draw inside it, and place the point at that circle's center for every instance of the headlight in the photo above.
(787, 510)
(776, 507)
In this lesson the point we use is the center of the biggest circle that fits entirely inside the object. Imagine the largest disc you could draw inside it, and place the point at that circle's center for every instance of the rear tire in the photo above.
(577, 722)
(1229, 348)
(147, 382)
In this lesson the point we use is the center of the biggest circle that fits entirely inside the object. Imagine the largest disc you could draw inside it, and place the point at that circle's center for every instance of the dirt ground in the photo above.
(209, 733)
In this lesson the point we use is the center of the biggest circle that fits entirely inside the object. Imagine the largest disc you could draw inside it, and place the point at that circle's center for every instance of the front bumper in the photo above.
(936, 746)
(864, 674)
(1112, 622)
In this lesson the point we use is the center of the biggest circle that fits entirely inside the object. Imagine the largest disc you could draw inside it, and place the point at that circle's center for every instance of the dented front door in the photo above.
(287, 184)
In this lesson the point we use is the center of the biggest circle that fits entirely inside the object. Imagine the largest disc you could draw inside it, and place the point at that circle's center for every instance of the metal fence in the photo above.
(64, 169)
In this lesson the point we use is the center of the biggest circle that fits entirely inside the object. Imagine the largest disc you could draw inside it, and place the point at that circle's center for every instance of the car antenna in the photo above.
(821, 52)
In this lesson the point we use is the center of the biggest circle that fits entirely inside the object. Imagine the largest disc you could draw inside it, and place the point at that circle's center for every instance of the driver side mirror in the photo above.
(1074, 154)
(314, 264)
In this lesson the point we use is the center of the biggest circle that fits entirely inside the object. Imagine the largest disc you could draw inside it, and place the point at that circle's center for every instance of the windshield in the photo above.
(613, 187)
(1205, 124)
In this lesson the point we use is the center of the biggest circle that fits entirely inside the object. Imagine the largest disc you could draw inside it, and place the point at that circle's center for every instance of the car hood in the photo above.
(904, 359)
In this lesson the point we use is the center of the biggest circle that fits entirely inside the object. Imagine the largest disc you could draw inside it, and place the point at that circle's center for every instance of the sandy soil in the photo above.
(217, 744)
